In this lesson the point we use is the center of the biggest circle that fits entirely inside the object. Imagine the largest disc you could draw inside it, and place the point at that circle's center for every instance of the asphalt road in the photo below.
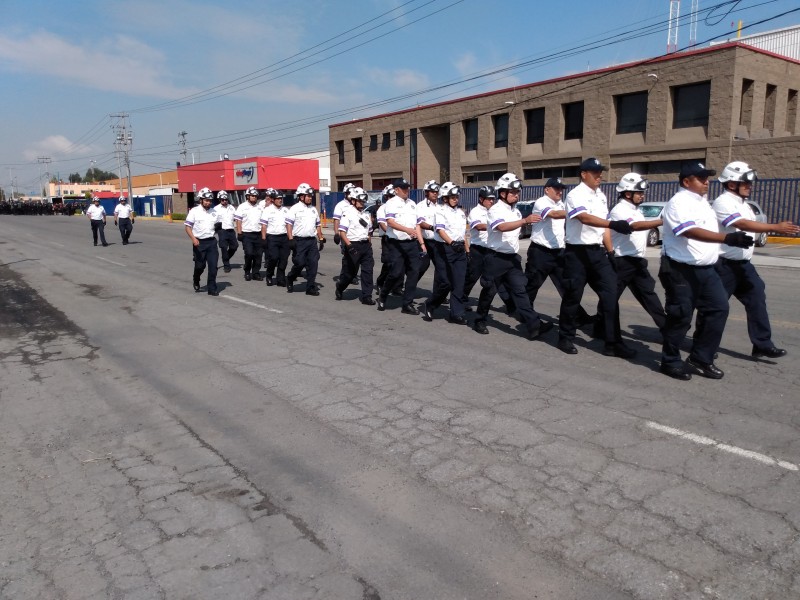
(161, 443)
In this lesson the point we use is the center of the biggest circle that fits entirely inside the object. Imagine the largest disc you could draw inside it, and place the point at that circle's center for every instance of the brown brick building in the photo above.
(727, 102)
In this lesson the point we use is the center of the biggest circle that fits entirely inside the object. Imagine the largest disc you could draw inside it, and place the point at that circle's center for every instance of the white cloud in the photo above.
(55, 145)
(122, 64)
(405, 79)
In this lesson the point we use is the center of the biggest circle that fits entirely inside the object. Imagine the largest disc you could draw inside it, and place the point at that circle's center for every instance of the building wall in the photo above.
(725, 67)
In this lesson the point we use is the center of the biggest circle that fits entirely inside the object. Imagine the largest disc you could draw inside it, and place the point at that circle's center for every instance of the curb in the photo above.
(792, 241)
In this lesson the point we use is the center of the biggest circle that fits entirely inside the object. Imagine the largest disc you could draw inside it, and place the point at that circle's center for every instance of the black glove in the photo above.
(620, 226)
(336, 238)
(458, 247)
(739, 239)
(363, 222)
(292, 244)
(217, 226)
(353, 251)
(240, 237)
(322, 244)
(423, 253)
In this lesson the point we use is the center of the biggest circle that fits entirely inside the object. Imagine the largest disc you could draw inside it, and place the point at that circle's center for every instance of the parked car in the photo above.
(652, 210)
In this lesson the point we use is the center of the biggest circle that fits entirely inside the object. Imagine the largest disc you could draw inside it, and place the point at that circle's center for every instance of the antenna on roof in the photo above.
(672, 32)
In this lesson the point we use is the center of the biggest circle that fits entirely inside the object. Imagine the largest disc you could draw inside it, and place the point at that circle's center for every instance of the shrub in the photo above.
(178, 217)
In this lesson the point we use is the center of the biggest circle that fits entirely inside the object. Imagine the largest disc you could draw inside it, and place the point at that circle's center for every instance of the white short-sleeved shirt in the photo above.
(304, 220)
(350, 223)
(405, 213)
(730, 208)
(426, 213)
(249, 215)
(506, 242)
(275, 219)
(263, 204)
(684, 211)
(548, 232)
(224, 215)
(452, 220)
(340, 207)
(96, 213)
(380, 214)
(583, 199)
(122, 211)
(477, 216)
(201, 222)
(628, 245)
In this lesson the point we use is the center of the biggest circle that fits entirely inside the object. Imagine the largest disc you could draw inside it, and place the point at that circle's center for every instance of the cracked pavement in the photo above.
(558, 451)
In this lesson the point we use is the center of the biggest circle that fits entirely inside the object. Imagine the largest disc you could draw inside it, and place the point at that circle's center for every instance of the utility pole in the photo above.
(43, 160)
(182, 141)
(123, 142)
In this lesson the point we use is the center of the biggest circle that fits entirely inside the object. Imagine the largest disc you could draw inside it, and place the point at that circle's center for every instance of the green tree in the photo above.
(75, 178)
(99, 176)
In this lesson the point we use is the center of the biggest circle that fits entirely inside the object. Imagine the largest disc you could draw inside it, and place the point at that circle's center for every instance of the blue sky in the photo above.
(288, 69)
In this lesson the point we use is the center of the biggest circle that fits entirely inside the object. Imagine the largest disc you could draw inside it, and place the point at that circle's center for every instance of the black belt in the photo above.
(204, 239)
(547, 248)
(304, 237)
(677, 262)
(587, 246)
(359, 241)
(740, 261)
(403, 241)
(277, 234)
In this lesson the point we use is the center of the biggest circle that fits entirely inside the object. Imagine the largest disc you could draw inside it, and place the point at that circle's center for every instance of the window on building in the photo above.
(373, 142)
(487, 177)
(323, 183)
(471, 134)
(340, 151)
(791, 112)
(357, 149)
(386, 141)
(573, 121)
(690, 105)
(770, 102)
(400, 138)
(500, 123)
(534, 126)
(746, 106)
(631, 112)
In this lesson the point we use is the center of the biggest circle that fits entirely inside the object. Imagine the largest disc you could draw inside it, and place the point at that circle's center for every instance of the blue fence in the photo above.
(780, 198)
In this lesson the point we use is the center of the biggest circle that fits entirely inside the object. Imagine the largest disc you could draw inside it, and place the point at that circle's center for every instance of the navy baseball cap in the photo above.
(401, 183)
(592, 164)
(695, 168)
(554, 182)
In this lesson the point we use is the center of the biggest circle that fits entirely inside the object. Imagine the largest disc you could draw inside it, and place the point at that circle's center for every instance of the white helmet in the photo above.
(738, 171)
(122, 198)
(509, 181)
(205, 194)
(632, 182)
(431, 186)
(357, 193)
(304, 189)
(222, 195)
(388, 191)
(347, 187)
(251, 191)
(449, 189)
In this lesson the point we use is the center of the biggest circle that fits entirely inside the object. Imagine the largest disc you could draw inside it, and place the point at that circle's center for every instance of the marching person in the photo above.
(503, 265)
(546, 250)
(739, 276)
(338, 211)
(123, 218)
(426, 214)
(691, 249)
(585, 260)
(248, 231)
(355, 231)
(405, 247)
(97, 217)
(627, 253)
(273, 232)
(267, 198)
(304, 231)
(450, 257)
(386, 263)
(199, 226)
(226, 229)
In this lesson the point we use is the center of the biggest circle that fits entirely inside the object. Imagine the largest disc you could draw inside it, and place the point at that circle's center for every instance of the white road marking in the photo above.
(706, 441)
(235, 299)
(110, 261)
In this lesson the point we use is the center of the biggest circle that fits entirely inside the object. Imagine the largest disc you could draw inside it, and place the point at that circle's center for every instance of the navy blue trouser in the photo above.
(98, 227)
(252, 252)
(404, 258)
(475, 267)
(543, 263)
(506, 270)
(306, 256)
(278, 256)
(451, 268)
(351, 264)
(587, 264)
(125, 228)
(688, 288)
(228, 245)
(206, 254)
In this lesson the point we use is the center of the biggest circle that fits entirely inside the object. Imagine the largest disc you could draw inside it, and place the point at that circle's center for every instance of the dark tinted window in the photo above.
(690, 105)
(631, 112)
(471, 134)
(573, 121)
(534, 126)
(500, 130)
